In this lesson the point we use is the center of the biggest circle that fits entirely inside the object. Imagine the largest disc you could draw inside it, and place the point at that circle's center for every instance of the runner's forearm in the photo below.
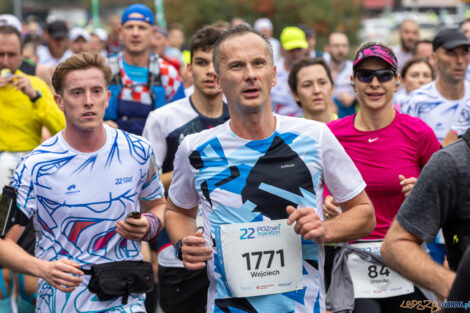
(179, 222)
(406, 257)
(356, 221)
(15, 258)
(156, 207)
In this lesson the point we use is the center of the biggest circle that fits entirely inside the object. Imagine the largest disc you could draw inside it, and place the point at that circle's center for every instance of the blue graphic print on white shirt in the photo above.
(438, 112)
(240, 181)
(75, 199)
(463, 121)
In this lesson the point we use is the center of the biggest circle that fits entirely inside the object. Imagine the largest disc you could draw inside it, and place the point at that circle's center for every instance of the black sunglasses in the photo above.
(366, 76)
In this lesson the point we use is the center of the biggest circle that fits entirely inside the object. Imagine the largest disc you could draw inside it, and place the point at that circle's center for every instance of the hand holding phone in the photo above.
(6, 73)
(134, 214)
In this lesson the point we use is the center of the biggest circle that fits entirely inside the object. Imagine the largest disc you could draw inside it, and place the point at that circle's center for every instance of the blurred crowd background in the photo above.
(361, 20)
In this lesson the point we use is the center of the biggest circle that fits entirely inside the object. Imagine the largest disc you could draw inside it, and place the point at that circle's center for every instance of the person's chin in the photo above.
(212, 92)
(375, 105)
(251, 108)
(319, 108)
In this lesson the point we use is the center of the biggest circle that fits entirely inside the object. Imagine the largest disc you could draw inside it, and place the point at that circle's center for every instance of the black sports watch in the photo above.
(179, 252)
(36, 97)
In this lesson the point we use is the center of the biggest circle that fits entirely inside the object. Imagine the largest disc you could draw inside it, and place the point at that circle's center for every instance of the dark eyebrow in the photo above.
(83, 88)
(234, 62)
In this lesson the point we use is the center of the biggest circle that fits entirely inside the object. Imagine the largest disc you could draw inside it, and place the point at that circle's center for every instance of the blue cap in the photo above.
(137, 12)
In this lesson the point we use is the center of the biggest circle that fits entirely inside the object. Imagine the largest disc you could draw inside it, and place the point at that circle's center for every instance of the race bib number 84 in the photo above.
(375, 281)
(260, 258)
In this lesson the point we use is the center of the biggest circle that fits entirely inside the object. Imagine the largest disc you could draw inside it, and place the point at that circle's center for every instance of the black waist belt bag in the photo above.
(120, 279)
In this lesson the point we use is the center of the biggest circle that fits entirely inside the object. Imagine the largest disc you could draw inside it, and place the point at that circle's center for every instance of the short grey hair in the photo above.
(233, 32)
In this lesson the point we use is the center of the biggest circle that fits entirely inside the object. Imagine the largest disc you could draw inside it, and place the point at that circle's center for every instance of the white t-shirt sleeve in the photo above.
(154, 133)
(463, 122)
(153, 188)
(339, 172)
(26, 199)
(407, 105)
(182, 191)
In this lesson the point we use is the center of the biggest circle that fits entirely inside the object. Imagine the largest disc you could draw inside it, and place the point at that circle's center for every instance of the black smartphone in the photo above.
(7, 210)
(133, 215)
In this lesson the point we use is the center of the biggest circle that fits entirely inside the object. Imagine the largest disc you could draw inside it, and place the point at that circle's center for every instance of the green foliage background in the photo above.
(323, 16)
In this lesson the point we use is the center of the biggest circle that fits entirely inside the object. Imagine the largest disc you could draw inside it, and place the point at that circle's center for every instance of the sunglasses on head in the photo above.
(366, 76)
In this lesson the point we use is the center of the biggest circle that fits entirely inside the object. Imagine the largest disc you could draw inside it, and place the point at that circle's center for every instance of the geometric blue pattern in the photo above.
(75, 200)
(241, 181)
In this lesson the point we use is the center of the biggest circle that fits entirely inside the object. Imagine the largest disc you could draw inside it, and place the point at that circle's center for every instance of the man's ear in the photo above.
(353, 83)
(188, 67)
(274, 76)
(108, 95)
(58, 100)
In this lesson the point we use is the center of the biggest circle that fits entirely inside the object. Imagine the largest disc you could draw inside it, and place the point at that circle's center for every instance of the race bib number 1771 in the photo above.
(260, 258)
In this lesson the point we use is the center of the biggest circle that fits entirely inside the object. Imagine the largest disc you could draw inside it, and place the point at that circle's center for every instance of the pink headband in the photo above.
(377, 51)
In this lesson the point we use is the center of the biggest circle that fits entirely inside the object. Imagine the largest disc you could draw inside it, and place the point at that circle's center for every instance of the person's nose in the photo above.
(88, 99)
(3, 60)
(375, 82)
(460, 57)
(315, 88)
(210, 70)
(135, 31)
(250, 73)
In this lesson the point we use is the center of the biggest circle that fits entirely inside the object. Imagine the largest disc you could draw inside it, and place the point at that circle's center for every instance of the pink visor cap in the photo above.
(377, 51)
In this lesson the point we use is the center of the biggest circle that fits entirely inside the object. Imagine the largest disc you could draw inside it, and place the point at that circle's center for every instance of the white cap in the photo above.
(101, 33)
(78, 32)
(8, 19)
(263, 23)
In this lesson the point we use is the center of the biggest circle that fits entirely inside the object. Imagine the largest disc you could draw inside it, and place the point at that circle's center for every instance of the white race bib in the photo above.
(375, 281)
(260, 258)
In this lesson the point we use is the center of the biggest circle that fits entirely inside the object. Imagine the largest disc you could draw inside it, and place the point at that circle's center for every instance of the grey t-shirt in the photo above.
(402, 56)
(441, 194)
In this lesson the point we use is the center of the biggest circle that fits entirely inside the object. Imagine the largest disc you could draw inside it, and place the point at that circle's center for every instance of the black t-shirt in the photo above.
(28, 67)
(441, 193)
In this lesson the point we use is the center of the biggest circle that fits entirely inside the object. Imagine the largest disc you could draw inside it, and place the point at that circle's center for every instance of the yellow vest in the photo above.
(21, 120)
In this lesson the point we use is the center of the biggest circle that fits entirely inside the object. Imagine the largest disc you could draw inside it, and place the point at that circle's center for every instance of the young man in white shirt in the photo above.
(79, 188)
